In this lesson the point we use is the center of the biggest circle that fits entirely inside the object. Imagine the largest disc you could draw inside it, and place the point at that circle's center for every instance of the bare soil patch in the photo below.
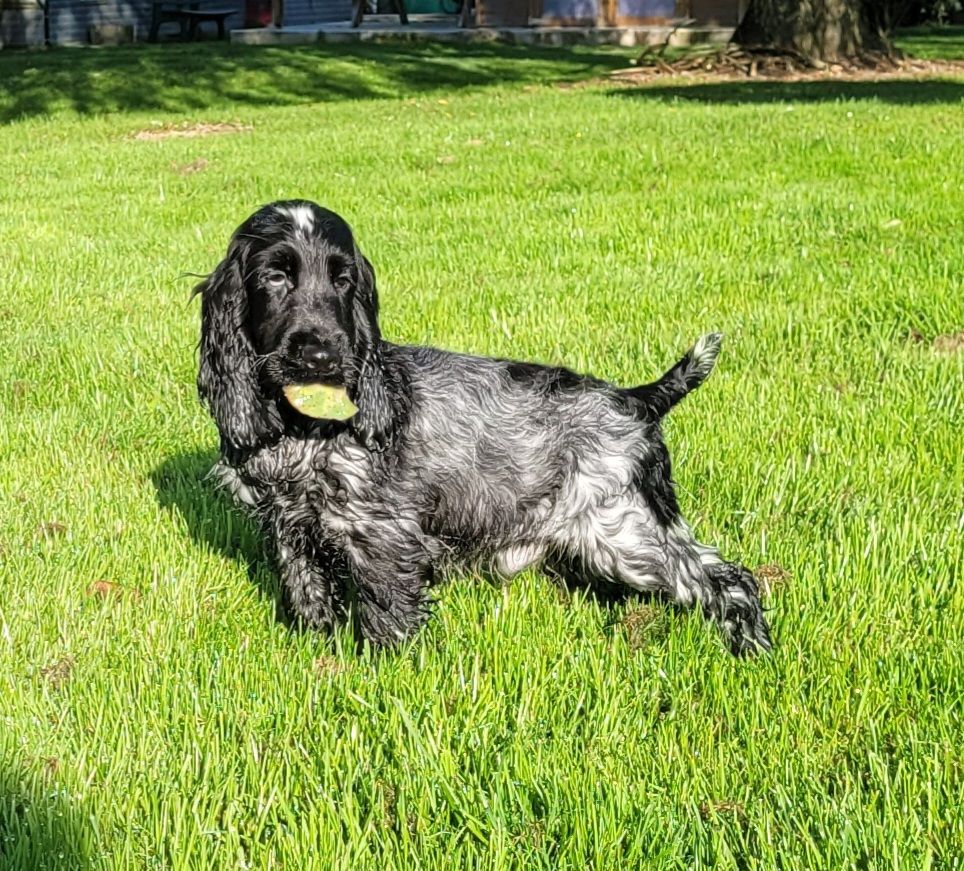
(190, 168)
(949, 343)
(643, 625)
(110, 590)
(771, 578)
(58, 673)
(724, 807)
(945, 343)
(51, 529)
(189, 131)
(328, 666)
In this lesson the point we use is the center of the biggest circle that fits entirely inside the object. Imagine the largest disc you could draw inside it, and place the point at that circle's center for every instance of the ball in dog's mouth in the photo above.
(320, 401)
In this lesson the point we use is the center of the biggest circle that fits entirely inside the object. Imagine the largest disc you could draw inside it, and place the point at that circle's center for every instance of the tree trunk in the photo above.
(818, 30)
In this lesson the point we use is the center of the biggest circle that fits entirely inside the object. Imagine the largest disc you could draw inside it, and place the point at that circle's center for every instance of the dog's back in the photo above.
(494, 444)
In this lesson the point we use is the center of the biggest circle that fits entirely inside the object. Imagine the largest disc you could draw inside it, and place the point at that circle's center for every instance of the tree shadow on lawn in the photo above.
(181, 79)
(905, 92)
(932, 41)
(39, 827)
(183, 487)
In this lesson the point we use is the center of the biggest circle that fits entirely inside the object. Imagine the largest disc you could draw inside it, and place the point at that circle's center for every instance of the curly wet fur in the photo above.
(451, 458)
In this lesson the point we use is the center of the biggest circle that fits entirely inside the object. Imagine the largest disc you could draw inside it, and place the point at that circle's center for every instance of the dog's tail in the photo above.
(654, 400)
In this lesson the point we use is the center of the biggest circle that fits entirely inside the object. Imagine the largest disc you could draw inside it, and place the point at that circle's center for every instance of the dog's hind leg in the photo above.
(624, 541)
(729, 595)
(509, 561)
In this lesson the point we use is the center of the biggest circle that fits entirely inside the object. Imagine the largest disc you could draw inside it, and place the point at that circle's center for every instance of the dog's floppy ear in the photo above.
(366, 282)
(375, 422)
(227, 381)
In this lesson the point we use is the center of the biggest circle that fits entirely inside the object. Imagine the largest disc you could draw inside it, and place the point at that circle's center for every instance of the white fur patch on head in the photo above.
(303, 217)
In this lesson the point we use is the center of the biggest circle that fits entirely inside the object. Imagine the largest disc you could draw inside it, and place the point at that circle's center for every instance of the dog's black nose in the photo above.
(318, 359)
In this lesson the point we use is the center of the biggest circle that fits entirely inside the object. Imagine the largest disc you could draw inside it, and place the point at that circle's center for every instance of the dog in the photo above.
(450, 458)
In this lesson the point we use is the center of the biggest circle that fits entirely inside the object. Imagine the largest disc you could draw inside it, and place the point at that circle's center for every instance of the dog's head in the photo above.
(293, 301)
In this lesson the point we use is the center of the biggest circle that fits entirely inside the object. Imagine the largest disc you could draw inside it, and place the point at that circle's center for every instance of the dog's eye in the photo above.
(276, 279)
(341, 283)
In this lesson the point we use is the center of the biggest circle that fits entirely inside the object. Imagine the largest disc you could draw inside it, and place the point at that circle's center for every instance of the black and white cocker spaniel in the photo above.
(449, 458)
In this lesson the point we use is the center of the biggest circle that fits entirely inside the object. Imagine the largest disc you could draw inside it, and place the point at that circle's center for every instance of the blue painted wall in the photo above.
(70, 19)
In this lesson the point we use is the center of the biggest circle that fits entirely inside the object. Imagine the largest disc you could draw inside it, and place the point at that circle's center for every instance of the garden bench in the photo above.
(188, 15)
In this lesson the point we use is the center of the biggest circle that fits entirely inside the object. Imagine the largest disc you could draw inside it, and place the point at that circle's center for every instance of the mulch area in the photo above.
(736, 63)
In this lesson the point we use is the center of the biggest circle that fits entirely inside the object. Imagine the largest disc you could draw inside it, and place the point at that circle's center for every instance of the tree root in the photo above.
(757, 62)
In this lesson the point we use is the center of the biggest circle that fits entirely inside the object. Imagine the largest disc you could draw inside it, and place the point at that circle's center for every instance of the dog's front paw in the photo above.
(316, 613)
(389, 617)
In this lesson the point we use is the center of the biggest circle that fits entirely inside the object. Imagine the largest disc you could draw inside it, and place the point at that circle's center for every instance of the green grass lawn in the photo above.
(154, 712)
(940, 42)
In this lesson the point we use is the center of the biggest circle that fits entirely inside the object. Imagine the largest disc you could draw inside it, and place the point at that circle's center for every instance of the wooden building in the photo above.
(80, 22)
(631, 13)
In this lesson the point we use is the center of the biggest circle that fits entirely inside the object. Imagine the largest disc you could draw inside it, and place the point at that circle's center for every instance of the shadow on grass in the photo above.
(213, 521)
(39, 827)
(182, 79)
(899, 91)
(932, 41)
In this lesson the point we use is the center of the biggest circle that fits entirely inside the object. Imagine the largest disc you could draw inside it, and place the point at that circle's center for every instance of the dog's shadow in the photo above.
(184, 487)
(41, 825)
